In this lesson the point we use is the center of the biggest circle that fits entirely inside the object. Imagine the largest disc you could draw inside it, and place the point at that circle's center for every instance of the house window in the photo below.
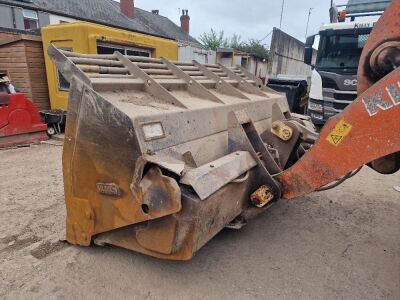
(138, 52)
(109, 49)
(63, 84)
(105, 48)
(31, 20)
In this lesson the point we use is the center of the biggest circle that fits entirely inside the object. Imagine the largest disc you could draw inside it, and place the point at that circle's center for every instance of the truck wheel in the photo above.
(51, 131)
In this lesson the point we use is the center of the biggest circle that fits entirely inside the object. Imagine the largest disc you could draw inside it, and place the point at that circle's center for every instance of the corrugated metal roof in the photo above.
(365, 6)
(107, 12)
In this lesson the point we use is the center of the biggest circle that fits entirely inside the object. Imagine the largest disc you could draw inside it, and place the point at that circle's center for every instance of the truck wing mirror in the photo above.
(308, 51)
(308, 54)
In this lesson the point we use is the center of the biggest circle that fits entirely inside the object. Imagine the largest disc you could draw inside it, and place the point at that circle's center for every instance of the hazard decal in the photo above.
(337, 135)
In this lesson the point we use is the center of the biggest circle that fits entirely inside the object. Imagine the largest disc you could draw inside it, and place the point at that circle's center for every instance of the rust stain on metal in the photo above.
(262, 196)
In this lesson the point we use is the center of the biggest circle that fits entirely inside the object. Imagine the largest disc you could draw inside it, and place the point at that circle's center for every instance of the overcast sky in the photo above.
(248, 18)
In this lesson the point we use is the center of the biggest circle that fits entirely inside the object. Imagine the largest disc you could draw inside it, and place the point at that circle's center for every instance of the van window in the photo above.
(106, 48)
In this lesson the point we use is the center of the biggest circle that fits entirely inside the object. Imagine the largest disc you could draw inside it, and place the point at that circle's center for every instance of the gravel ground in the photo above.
(339, 244)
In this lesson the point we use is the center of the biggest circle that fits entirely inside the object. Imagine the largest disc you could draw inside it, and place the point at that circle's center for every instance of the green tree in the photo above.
(235, 41)
(253, 46)
(213, 40)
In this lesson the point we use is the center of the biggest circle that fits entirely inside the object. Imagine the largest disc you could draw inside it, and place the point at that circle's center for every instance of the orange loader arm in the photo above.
(368, 131)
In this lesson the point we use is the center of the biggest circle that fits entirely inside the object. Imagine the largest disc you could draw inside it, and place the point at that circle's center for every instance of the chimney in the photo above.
(127, 8)
(155, 11)
(185, 20)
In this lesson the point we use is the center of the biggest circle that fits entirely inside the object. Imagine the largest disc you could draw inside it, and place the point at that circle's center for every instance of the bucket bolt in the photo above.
(262, 196)
(282, 131)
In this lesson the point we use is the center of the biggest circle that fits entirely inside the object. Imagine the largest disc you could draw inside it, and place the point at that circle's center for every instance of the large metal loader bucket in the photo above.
(159, 156)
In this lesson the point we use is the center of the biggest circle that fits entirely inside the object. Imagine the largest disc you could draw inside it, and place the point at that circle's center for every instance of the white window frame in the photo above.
(34, 16)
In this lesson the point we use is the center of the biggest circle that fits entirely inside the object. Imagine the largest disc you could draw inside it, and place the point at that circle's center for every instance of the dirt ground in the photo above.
(339, 244)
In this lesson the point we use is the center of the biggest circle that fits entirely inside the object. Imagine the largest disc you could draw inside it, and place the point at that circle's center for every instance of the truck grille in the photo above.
(339, 106)
(346, 97)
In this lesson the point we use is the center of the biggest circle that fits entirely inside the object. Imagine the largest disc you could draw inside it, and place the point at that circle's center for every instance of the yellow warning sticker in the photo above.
(337, 135)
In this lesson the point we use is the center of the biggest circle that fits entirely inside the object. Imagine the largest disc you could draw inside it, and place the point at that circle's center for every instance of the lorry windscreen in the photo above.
(340, 51)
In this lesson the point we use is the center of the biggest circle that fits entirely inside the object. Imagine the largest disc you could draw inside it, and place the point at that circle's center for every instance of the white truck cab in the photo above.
(334, 75)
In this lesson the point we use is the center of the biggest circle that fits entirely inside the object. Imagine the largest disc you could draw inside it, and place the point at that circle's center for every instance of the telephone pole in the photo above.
(308, 20)
(283, 6)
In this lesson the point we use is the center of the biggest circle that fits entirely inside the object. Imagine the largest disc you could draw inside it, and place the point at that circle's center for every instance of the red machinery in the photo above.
(20, 122)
